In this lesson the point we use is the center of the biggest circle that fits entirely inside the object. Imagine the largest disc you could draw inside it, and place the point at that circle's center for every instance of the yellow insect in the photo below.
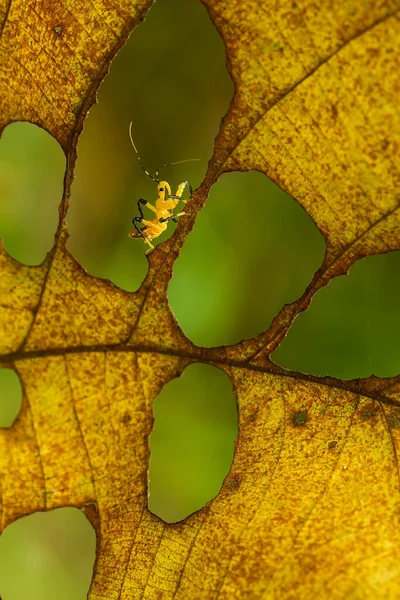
(164, 205)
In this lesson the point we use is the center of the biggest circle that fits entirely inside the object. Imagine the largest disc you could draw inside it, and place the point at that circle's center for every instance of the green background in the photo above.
(252, 250)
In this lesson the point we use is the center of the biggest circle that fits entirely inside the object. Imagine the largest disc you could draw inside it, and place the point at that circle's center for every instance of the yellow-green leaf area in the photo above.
(310, 505)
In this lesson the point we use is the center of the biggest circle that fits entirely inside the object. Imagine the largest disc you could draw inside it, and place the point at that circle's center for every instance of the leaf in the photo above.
(310, 507)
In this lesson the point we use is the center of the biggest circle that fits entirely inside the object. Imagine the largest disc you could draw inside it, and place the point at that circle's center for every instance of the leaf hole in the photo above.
(253, 249)
(192, 442)
(47, 555)
(32, 167)
(352, 327)
(10, 397)
(171, 81)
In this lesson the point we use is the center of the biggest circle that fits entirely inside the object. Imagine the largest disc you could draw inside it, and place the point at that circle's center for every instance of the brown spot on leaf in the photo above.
(298, 418)
(91, 512)
(232, 483)
(369, 412)
(393, 420)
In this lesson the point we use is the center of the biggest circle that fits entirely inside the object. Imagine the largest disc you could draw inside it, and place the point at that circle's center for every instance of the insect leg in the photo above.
(135, 221)
(142, 202)
(179, 192)
(171, 218)
(186, 183)
(139, 203)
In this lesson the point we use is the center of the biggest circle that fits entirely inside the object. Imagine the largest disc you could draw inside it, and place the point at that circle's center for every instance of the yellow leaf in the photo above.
(310, 507)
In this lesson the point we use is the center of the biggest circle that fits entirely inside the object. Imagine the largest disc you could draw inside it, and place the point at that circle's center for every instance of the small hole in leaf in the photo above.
(46, 556)
(10, 397)
(352, 327)
(253, 249)
(170, 79)
(192, 442)
(32, 167)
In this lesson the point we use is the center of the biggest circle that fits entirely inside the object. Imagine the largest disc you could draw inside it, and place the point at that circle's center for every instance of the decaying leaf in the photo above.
(311, 505)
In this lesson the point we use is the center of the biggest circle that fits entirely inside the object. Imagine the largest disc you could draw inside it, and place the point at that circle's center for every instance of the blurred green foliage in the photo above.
(10, 397)
(192, 442)
(252, 249)
(32, 167)
(352, 328)
(170, 80)
(47, 556)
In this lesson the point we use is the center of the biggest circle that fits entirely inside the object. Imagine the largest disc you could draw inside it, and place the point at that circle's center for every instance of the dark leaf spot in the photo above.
(299, 418)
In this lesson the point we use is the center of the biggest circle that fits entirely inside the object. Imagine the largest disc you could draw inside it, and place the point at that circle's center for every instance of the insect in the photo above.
(149, 229)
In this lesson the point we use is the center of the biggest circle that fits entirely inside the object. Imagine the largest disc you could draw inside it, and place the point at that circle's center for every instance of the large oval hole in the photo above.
(32, 167)
(253, 249)
(192, 442)
(47, 556)
(352, 327)
(10, 397)
(171, 80)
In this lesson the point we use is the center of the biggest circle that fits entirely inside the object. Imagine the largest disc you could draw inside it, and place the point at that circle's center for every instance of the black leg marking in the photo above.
(171, 218)
(135, 222)
(140, 202)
